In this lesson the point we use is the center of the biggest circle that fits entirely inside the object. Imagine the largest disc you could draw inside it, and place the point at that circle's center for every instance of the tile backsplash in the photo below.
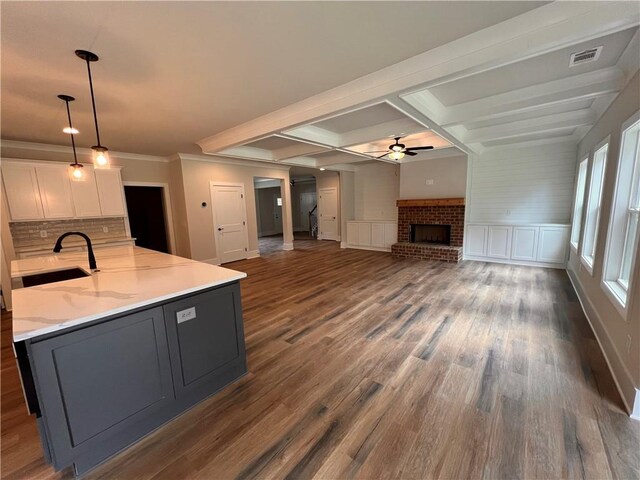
(27, 234)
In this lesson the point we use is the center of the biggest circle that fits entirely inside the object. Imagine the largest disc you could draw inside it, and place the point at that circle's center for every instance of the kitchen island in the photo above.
(110, 356)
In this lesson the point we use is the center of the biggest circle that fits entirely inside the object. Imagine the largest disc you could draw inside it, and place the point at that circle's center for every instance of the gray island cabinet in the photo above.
(98, 386)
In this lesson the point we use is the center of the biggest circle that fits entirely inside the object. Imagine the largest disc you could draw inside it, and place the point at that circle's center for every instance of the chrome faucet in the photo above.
(92, 259)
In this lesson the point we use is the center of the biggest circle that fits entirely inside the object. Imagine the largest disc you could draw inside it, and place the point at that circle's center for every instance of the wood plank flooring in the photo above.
(366, 366)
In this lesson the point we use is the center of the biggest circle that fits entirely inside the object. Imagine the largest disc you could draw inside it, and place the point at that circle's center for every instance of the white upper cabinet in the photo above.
(85, 195)
(23, 195)
(55, 191)
(110, 192)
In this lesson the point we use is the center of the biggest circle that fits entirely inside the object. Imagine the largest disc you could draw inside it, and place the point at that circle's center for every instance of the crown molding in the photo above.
(229, 160)
(61, 149)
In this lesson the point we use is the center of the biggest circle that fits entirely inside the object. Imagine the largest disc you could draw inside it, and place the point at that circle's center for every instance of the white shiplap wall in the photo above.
(521, 186)
(377, 187)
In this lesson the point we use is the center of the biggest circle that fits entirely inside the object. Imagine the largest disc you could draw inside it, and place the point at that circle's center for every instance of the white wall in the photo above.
(524, 185)
(449, 175)
(612, 330)
(376, 189)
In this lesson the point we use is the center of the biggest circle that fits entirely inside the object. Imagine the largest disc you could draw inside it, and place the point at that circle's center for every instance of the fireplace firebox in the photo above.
(430, 233)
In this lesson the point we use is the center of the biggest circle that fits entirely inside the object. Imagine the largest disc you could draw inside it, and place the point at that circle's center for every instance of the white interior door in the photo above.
(328, 214)
(277, 213)
(229, 222)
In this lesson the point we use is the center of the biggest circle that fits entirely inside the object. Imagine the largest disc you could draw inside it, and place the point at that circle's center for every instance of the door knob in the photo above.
(220, 229)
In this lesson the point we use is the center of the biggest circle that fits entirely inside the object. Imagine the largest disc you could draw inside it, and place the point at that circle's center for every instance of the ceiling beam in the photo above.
(587, 85)
(548, 28)
(533, 125)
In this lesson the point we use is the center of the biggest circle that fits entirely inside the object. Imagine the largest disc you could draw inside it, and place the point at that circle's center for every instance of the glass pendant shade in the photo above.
(100, 157)
(76, 172)
(396, 155)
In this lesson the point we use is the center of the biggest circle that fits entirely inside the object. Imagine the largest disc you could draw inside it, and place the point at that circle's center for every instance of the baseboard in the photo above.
(343, 245)
(211, 261)
(631, 397)
(287, 246)
(253, 254)
(508, 261)
(364, 247)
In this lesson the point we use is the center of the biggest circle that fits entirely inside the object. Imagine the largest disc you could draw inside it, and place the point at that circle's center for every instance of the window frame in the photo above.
(578, 214)
(615, 290)
(589, 261)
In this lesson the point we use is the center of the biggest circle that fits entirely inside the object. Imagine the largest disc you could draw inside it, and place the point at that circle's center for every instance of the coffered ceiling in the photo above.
(507, 85)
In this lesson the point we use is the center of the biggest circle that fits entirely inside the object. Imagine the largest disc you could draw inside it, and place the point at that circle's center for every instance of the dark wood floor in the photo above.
(366, 366)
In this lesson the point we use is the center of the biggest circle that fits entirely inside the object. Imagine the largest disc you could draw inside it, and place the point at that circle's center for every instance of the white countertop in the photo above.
(129, 277)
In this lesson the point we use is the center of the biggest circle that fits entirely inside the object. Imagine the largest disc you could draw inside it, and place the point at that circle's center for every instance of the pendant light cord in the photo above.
(93, 103)
(73, 142)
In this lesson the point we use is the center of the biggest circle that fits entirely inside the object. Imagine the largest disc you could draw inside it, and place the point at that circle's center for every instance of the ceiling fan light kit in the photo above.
(397, 150)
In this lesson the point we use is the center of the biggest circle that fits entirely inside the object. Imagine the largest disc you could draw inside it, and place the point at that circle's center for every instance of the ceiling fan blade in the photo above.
(383, 155)
(377, 151)
(410, 153)
(429, 147)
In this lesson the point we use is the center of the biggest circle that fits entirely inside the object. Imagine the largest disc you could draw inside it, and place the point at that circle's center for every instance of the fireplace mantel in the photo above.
(430, 202)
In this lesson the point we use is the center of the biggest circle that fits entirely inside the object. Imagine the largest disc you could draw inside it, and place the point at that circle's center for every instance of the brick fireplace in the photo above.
(422, 216)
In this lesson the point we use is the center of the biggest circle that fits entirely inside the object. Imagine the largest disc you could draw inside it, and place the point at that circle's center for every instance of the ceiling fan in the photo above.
(398, 150)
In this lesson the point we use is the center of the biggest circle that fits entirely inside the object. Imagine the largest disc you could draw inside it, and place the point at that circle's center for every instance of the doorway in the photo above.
(304, 206)
(147, 211)
(269, 213)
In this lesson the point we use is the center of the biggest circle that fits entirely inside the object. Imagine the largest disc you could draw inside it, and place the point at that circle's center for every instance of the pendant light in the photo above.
(76, 172)
(100, 153)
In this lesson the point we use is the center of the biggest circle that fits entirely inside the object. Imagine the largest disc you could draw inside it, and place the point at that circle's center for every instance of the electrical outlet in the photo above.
(43, 234)
(105, 229)
(429, 181)
(508, 212)
(185, 315)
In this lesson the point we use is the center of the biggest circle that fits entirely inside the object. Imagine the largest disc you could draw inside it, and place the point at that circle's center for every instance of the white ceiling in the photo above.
(172, 73)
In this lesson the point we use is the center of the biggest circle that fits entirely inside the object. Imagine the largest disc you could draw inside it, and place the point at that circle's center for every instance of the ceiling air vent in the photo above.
(585, 56)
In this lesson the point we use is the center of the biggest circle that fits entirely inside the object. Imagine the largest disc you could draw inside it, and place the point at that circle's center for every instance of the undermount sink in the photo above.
(52, 277)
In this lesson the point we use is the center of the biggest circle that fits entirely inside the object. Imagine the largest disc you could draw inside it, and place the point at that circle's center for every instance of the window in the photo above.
(624, 228)
(594, 200)
(579, 203)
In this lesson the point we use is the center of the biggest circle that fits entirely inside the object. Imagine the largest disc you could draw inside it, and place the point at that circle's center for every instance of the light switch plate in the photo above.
(429, 181)
(43, 234)
(186, 314)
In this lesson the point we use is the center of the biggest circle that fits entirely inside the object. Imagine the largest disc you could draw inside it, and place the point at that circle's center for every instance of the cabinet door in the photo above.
(352, 233)
(55, 191)
(377, 234)
(23, 195)
(552, 246)
(390, 234)
(206, 339)
(85, 195)
(499, 242)
(525, 243)
(110, 192)
(107, 381)
(364, 234)
(476, 240)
